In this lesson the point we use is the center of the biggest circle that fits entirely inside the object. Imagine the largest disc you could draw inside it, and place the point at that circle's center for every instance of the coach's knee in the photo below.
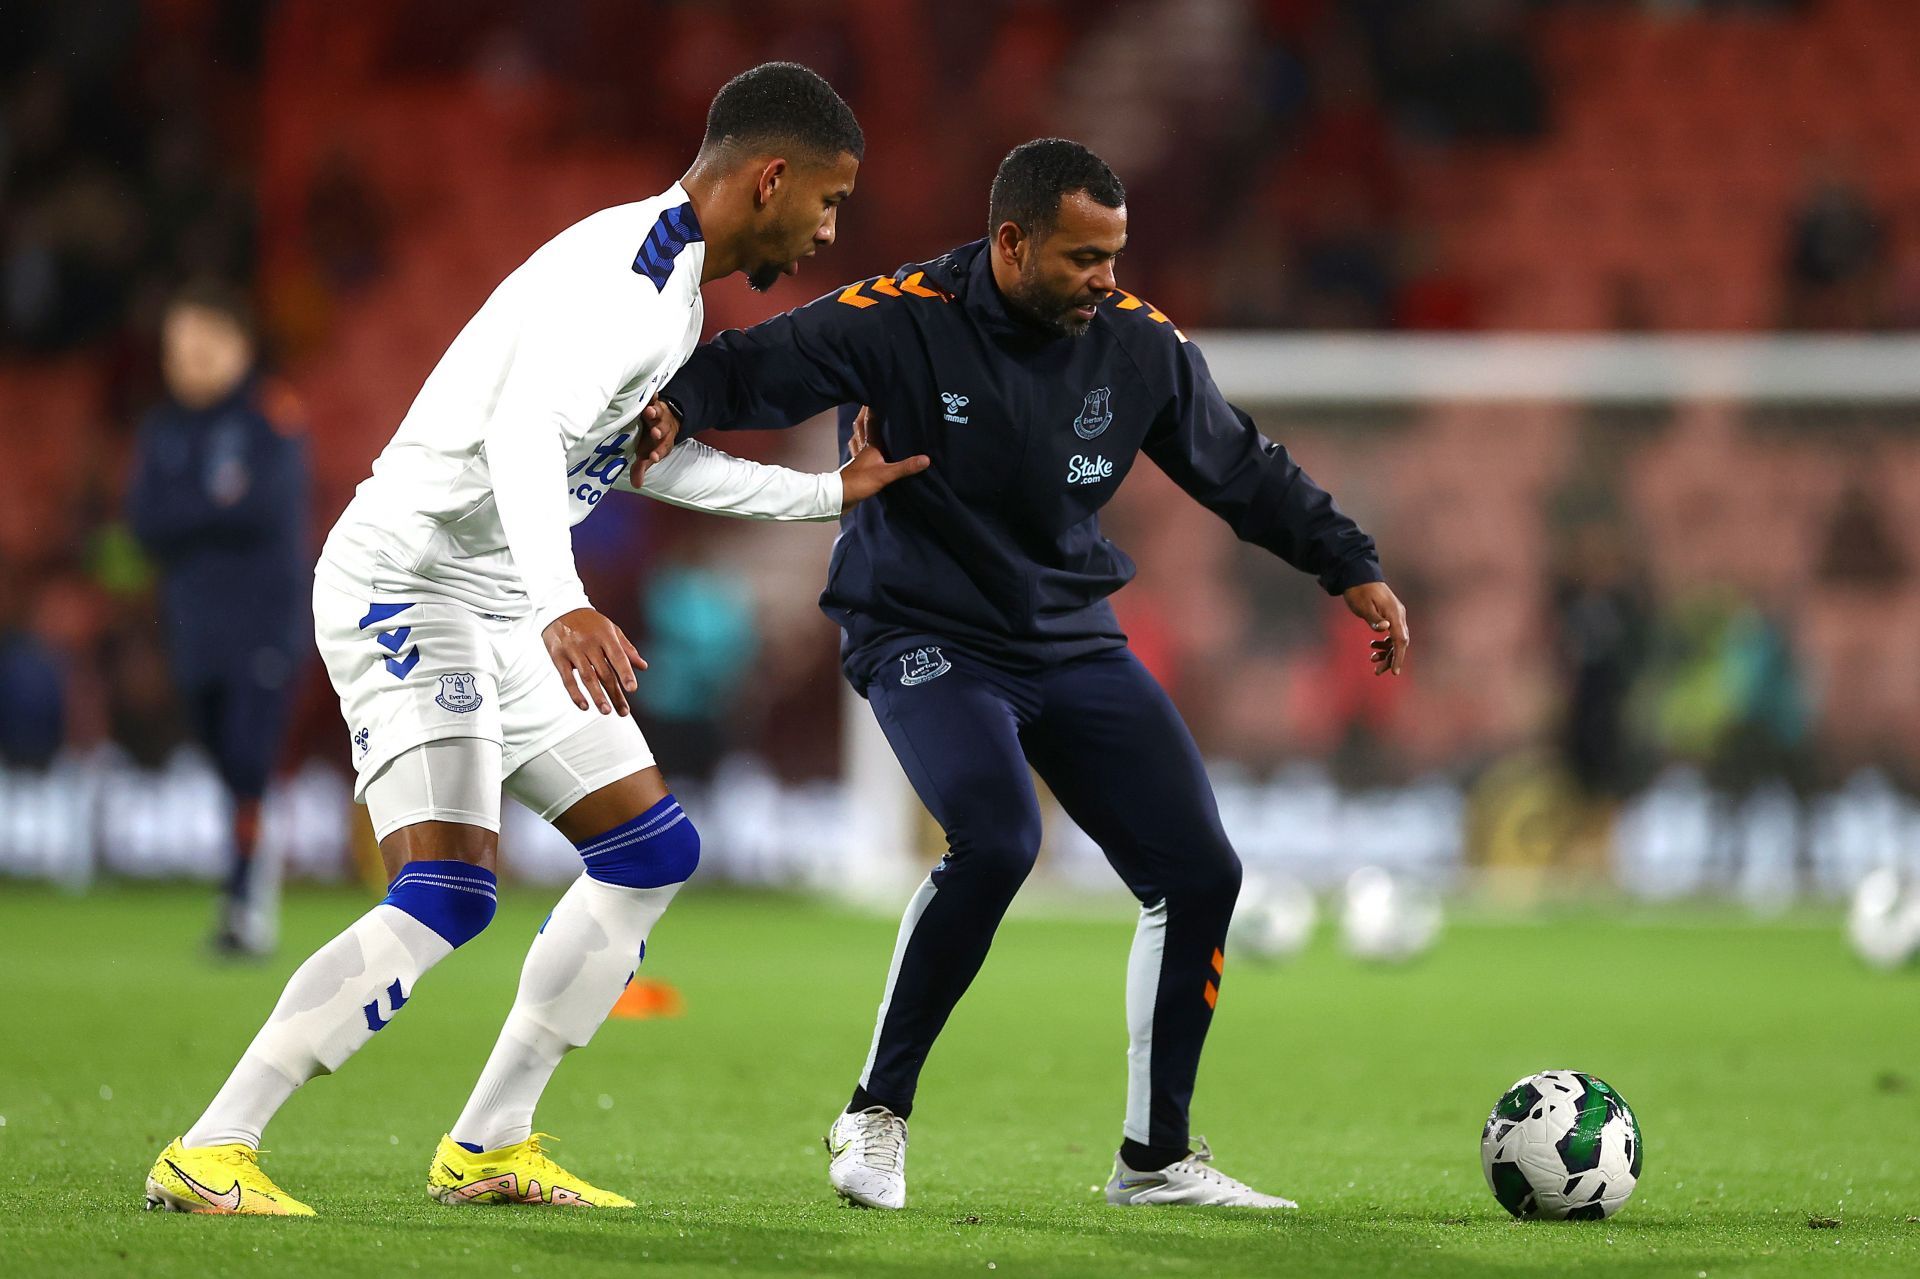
(999, 852)
(454, 899)
(1214, 879)
(659, 847)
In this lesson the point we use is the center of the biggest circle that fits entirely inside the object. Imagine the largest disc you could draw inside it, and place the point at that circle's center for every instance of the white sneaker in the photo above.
(1193, 1180)
(869, 1149)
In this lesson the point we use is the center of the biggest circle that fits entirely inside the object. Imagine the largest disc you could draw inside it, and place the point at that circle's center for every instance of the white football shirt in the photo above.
(531, 418)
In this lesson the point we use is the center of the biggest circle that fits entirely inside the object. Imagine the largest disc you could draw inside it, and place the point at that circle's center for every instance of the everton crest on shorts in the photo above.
(457, 692)
(922, 664)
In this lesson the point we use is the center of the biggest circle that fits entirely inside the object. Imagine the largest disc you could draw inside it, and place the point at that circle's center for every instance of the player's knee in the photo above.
(454, 899)
(659, 847)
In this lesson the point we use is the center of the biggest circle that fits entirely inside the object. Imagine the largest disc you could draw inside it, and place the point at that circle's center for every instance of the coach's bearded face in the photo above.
(799, 203)
(1064, 271)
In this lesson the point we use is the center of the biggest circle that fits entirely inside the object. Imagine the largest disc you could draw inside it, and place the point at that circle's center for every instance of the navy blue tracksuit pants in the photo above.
(240, 719)
(1104, 736)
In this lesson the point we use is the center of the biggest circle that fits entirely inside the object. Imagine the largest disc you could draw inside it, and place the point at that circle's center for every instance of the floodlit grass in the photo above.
(1775, 1079)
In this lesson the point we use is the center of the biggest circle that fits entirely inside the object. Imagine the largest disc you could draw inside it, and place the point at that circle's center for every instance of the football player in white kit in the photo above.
(466, 655)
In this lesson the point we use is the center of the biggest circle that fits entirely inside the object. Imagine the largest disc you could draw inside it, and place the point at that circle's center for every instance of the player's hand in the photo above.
(659, 429)
(595, 659)
(1380, 609)
(869, 471)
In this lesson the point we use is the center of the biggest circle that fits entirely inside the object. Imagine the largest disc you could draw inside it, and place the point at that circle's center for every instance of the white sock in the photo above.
(574, 974)
(322, 1019)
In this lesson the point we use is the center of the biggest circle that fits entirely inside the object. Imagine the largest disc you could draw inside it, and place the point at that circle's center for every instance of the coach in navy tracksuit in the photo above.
(973, 598)
(219, 499)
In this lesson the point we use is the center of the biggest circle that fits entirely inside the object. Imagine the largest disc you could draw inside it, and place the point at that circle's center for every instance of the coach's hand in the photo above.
(659, 428)
(585, 642)
(1379, 608)
(869, 471)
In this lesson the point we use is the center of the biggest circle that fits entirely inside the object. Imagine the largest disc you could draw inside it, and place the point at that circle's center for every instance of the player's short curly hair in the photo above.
(1036, 175)
(782, 104)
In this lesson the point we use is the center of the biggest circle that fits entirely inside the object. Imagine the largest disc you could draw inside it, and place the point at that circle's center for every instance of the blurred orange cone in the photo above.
(643, 998)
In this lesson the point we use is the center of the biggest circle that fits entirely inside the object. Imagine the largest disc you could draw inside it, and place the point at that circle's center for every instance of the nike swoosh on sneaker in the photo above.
(1138, 1182)
(228, 1199)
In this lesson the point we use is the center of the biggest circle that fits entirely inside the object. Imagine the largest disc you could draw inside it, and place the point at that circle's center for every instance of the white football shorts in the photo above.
(426, 669)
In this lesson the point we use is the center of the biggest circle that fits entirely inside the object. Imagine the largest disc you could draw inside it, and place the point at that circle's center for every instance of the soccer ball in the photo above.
(1273, 918)
(1561, 1144)
(1884, 921)
(1385, 918)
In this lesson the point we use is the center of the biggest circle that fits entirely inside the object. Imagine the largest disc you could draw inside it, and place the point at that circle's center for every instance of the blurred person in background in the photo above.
(701, 628)
(219, 499)
(1604, 622)
(33, 710)
(1837, 254)
(1729, 693)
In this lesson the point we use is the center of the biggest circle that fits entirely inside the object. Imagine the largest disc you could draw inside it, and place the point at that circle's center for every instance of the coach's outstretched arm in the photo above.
(781, 371)
(1213, 451)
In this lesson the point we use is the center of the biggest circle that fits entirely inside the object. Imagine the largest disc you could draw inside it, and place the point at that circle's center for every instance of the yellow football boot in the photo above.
(516, 1174)
(225, 1179)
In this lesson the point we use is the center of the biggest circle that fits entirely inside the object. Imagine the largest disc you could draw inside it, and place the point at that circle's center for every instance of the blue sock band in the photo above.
(657, 848)
(452, 898)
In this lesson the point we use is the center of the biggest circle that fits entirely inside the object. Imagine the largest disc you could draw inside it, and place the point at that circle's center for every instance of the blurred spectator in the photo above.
(1729, 693)
(32, 703)
(1458, 70)
(1861, 549)
(142, 705)
(219, 498)
(346, 224)
(1836, 257)
(700, 646)
(1604, 633)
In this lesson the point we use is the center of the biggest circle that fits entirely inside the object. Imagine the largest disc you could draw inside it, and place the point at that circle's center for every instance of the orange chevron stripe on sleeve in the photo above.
(1213, 995)
(852, 296)
(1219, 961)
(1128, 302)
(884, 285)
(912, 285)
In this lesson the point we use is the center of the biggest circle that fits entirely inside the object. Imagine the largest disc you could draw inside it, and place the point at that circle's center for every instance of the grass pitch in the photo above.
(1776, 1081)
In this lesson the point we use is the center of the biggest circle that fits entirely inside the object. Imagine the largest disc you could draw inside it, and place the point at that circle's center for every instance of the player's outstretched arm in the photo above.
(701, 478)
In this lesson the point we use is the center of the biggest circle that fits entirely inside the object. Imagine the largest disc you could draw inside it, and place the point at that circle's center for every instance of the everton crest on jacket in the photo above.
(997, 548)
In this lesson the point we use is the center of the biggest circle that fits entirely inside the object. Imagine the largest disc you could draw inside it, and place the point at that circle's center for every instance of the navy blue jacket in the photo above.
(219, 499)
(997, 548)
